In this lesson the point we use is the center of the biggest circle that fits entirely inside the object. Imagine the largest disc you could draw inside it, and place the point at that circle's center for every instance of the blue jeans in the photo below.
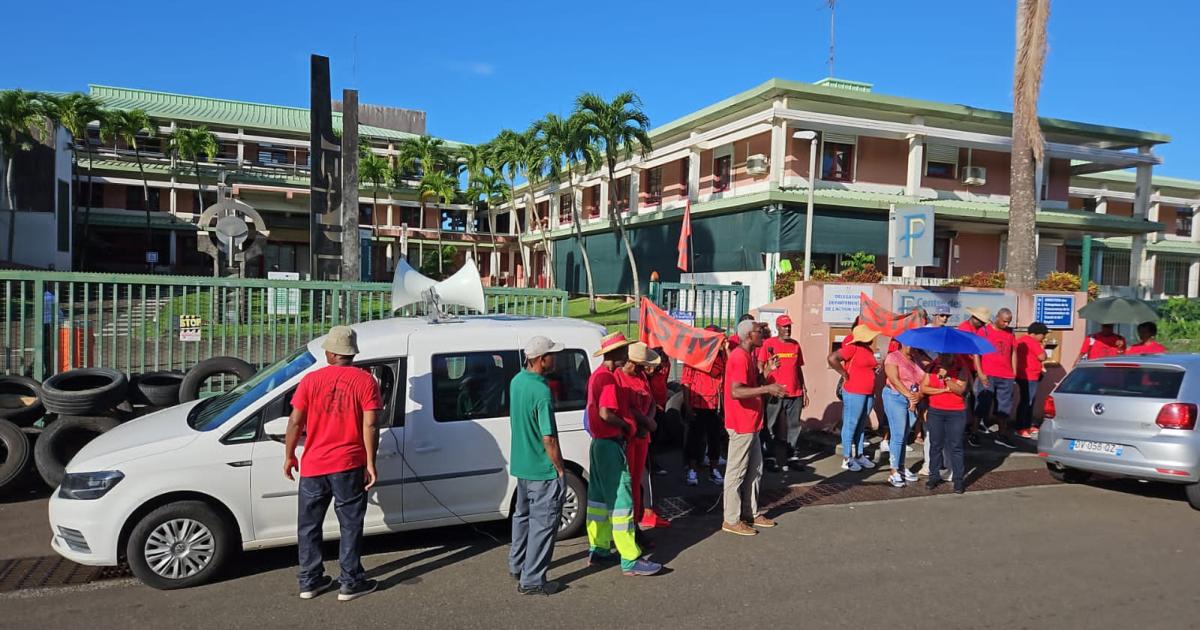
(855, 408)
(349, 498)
(1028, 392)
(900, 420)
(534, 524)
(946, 444)
(996, 398)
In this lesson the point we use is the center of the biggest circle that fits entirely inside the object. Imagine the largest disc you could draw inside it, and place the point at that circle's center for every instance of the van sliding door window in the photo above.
(472, 385)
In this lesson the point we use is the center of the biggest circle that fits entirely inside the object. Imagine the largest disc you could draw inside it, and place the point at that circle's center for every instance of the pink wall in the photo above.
(1167, 215)
(882, 161)
(760, 143)
(674, 180)
(824, 410)
(706, 172)
(796, 158)
(1059, 184)
(996, 163)
(976, 252)
(1120, 208)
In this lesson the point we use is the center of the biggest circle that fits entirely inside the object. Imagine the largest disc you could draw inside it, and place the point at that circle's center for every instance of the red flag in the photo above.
(693, 346)
(685, 239)
(886, 322)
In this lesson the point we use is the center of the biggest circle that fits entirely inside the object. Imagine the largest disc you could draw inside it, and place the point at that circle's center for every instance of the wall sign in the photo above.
(841, 303)
(905, 300)
(684, 317)
(189, 328)
(911, 236)
(1055, 311)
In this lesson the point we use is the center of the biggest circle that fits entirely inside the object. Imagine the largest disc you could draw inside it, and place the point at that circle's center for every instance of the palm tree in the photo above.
(1027, 143)
(510, 160)
(19, 114)
(442, 187)
(537, 157)
(422, 154)
(127, 125)
(620, 128)
(190, 144)
(76, 112)
(566, 140)
(374, 169)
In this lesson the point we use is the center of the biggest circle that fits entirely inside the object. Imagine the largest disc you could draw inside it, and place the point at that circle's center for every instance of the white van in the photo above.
(176, 493)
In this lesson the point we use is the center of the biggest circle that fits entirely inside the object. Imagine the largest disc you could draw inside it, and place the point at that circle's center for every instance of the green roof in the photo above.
(775, 88)
(1124, 177)
(202, 109)
(1163, 246)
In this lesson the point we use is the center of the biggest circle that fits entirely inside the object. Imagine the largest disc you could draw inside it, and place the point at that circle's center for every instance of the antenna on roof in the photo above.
(832, 14)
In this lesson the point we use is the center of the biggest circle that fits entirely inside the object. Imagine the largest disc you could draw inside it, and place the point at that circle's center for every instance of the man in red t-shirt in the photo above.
(743, 420)
(1147, 331)
(996, 380)
(977, 318)
(783, 413)
(1030, 356)
(336, 408)
(702, 407)
(1101, 345)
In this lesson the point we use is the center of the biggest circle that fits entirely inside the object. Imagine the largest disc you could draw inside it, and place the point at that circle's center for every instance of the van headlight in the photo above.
(89, 485)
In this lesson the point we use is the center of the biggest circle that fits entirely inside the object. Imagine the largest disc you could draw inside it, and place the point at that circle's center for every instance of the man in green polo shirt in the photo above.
(537, 463)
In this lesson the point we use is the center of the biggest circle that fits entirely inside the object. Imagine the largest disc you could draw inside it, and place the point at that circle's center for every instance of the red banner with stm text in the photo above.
(695, 347)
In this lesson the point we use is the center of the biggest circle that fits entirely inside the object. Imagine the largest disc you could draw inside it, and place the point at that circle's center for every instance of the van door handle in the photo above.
(388, 454)
(428, 448)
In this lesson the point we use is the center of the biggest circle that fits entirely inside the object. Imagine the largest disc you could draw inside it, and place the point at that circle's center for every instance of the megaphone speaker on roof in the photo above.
(464, 288)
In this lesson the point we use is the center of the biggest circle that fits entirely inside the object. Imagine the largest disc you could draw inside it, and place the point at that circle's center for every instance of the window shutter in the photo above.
(840, 138)
(941, 153)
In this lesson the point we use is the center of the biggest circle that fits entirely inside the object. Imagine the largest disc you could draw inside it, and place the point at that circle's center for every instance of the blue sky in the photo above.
(477, 67)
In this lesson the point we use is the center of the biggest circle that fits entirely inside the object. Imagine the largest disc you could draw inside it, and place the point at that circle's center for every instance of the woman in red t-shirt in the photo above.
(946, 388)
(635, 380)
(856, 363)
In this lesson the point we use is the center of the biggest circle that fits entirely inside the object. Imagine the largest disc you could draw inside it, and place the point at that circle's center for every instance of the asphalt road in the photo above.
(1058, 556)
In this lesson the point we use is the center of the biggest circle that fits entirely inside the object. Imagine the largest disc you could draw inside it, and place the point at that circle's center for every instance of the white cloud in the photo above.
(481, 68)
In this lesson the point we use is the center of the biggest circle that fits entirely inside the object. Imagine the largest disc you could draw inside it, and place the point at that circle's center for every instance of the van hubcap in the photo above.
(570, 508)
(179, 548)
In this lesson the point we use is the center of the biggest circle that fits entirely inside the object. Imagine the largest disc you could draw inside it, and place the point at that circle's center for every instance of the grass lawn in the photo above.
(612, 314)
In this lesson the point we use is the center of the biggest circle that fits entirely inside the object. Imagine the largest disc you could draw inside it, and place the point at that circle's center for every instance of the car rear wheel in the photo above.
(571, 520)
(1067, 475)
(1193, 495)
(179, 545)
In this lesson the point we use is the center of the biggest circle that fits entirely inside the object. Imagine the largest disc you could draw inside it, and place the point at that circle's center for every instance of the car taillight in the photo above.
(1177, 416)
(1049, 410)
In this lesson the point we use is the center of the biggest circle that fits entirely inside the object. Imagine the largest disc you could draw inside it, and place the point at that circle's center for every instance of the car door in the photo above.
(273, 496)
(456, 436)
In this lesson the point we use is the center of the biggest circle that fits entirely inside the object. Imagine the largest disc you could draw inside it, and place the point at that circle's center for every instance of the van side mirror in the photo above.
(277, 429)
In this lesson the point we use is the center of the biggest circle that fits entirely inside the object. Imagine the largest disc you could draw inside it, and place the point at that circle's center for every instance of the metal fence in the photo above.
(143, 323)
(720, 304)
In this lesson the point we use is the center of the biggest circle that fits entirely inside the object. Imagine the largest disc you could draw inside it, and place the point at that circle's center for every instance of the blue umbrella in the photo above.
(945, 340)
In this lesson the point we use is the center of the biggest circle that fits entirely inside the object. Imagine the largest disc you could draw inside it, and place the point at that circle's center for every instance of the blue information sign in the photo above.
(686, 317)
(1055, 311)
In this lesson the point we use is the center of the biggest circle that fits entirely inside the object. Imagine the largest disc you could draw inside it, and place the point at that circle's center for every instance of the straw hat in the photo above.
(979, 312)
(615, 341)
(641, 354)
(863, 333)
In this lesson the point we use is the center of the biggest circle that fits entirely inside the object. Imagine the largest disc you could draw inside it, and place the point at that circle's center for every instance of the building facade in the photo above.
(743, 164)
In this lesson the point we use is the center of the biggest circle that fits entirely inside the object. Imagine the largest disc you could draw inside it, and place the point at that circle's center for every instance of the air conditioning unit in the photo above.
(757, 164)
(974, 175)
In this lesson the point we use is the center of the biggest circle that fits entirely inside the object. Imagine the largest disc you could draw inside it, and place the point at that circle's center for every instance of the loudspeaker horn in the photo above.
(464, 288)
(408, 285)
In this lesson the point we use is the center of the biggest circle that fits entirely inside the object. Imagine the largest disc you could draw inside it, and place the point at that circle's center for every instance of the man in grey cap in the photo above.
(537, 463)
(336, 407)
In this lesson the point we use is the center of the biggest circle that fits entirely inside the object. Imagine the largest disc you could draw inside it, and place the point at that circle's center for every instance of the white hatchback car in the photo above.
(177, 492)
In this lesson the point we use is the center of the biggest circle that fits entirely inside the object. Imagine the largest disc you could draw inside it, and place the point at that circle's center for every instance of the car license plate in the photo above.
(1104, 448)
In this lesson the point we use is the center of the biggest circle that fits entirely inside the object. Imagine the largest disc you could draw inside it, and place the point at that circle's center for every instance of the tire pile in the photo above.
(76, 406)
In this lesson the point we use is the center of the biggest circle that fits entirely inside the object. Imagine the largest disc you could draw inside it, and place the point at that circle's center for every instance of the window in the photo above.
(454, 220)
(274, 156)
(135, 198)
(1183, 221)
(1114, 267)
(721, 170)
(685, 167)
(941, 161)
(472, 385)
(97, 193)
(654, 186)
(411, 216)
(623, 194)
(565, 211)
(227, 151)
(502, 222)
(366, 214)
(1136, 382)
(1174, 272)
(568, 382)
(837, 157)
(1089, 204)
(216, 410)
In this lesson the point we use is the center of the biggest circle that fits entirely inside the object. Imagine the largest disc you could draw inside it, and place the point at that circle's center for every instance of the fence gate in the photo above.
(704, 304)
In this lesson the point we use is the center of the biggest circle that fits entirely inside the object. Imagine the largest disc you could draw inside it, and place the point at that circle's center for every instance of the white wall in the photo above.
(35, 241)
(758, 281)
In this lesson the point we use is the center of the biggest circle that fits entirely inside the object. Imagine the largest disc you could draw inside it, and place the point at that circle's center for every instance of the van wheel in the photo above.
(1193, 495)
(1067, 475)
(573, 508)
(179, 545)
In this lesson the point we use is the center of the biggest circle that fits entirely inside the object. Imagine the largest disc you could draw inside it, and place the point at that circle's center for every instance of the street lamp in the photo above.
(811, 137)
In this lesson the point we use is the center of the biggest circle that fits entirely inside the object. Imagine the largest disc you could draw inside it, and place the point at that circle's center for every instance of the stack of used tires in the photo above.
(76, 406)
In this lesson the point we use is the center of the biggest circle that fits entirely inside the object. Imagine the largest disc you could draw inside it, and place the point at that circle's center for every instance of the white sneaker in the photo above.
(716, 477)
(865, 462)
(947, 474)
(908, 448)
(692, 480)
(924, 472)
(851, 465)
(885, 447)
(896, 480)
(910, 477)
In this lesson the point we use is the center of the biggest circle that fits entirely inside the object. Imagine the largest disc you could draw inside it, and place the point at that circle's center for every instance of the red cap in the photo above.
(783, 320)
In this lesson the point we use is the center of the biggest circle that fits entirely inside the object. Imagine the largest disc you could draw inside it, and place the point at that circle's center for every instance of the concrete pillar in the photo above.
(1196, 224)
(779, 140)
(1141, 266)
(694, 174)
(554, 210)
(1098, 266)
(604, 209)
(1039, 176)
(241, 156)
(916, 164)
(1101, 204)
(1193, 286)
(1152, 215)
(172, 256)
(635, 187)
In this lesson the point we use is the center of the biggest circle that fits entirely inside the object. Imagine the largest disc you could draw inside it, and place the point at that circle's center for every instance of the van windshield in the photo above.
(213, 412)
(1130, 380)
